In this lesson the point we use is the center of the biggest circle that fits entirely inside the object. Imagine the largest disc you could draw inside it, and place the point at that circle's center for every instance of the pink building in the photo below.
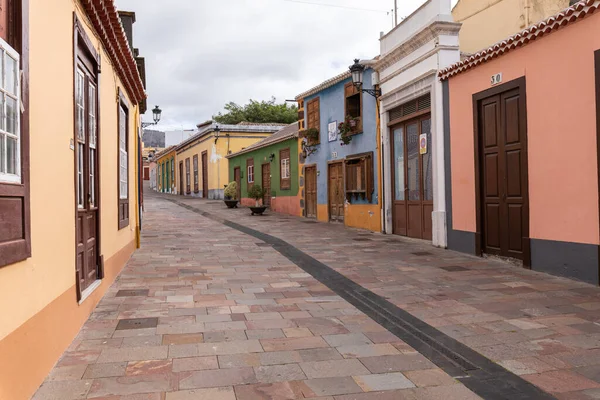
(524, 146)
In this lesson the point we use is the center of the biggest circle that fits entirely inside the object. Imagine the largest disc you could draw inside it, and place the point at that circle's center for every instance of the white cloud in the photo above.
(201, 54)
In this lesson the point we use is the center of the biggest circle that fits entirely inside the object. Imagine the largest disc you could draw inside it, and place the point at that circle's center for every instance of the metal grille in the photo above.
(421, 104)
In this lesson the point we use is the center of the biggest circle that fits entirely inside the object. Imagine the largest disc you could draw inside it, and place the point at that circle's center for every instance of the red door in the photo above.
(266, 184)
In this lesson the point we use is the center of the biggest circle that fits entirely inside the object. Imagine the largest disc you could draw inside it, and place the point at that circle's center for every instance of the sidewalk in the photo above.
(543, 328)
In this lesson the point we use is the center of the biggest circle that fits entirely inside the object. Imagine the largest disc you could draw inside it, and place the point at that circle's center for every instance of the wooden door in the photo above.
(310, 178)
(181, 181)
(86, 178)
(237, 177)
(336, 192)
(412, 179)
(205, 175)
(503, 173)
(266, 184)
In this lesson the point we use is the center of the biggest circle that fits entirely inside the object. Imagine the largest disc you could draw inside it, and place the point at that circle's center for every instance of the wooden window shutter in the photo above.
(284, 183)
(196, 190)
(314, 117)
(123, 176)
(359, 177)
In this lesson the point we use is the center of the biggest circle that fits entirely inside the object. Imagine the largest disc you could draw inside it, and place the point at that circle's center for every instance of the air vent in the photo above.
(423, 103)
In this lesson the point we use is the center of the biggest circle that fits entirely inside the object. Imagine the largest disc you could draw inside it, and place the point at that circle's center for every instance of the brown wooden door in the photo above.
(181, 179)
(205, 175)
(237, 177)
(86, 178)
(310, 177)
(266, 184)
(336, 192)
(503, 163)
(412, 179)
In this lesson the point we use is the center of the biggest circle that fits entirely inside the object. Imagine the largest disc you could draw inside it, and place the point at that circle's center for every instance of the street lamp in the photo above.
(357, 70)
(217, 133)
(156, 114)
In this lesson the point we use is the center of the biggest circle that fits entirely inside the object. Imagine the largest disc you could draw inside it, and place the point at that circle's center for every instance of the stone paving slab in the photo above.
(236, 321)
(531, 323)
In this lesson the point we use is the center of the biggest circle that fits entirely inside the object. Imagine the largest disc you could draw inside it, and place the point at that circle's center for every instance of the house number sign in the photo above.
(496, 78)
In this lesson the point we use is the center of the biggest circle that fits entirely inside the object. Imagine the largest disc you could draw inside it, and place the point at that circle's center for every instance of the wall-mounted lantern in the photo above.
(357, 70)
(271, 157)
(156, 114)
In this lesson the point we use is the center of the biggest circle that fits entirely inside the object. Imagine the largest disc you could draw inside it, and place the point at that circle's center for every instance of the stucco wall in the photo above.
(218, 165)
(485, 22)
(561, 131)
(39, 295)
(261, 156)
(332, 102)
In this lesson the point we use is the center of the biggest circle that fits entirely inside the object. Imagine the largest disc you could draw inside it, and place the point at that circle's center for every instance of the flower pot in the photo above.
(258, 210)
(231, 203)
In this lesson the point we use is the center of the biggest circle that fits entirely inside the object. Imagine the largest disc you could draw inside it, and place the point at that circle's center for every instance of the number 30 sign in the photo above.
(496, 78)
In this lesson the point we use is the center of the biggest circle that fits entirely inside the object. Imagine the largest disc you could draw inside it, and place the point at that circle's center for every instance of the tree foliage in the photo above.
(258, 111)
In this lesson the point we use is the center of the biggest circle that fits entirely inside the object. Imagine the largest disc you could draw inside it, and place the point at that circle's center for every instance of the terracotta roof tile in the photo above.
(568, 16)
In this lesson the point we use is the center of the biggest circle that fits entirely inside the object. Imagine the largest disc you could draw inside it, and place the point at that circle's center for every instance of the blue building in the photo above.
(340, 181)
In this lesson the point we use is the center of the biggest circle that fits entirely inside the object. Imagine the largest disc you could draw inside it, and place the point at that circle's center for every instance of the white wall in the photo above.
(411, 56)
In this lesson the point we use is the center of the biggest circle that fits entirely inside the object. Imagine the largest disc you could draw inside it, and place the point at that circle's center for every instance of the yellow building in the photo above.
(68, 176)
(485, 22)
(165, 170)
(201, 164)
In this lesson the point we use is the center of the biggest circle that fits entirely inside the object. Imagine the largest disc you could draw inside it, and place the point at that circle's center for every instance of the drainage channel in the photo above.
(481, 375)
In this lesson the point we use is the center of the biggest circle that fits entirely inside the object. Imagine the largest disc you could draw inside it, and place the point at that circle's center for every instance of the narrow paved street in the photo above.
(219, 305)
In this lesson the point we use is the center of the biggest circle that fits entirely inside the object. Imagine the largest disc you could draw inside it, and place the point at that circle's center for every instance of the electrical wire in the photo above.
(336, 6)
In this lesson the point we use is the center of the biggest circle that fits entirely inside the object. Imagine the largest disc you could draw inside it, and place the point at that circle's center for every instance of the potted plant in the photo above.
(347, 129)
(230, 193)
(257, 193)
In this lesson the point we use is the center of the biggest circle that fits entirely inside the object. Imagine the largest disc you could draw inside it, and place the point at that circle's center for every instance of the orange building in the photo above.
(71, 93)
(524, 134)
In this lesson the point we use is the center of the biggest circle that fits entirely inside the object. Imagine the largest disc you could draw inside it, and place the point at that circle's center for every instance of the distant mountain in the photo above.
(153, 138)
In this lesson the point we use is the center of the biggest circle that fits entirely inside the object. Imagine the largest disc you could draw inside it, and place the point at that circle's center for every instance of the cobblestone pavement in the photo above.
(227, 317)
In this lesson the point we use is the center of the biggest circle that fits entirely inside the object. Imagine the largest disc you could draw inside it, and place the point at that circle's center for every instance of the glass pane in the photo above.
(11, 115)
(11, 75)
(399, 163)
(427, 162)
(92, 173)
(11, 155)
(2, 153)
(414, 180)
(3, 114)
(80, 189)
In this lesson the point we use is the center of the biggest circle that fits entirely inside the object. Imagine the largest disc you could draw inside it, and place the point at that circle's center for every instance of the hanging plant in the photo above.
(347, 129)
(311, 140)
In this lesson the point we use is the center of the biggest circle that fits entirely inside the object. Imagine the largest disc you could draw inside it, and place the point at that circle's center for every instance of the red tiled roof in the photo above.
(105, 19)
(568, 16)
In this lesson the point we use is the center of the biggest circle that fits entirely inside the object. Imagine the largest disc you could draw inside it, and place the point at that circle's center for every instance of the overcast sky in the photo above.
(201, 54)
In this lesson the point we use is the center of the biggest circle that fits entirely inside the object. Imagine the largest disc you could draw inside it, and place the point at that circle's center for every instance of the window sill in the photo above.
(87, 292)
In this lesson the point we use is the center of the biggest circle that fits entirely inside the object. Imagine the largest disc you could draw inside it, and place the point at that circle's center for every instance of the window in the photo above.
(250, 165)
(196, 174)
(187, 176)
(284, 169)
(353, 105)
(172, 175)
(124, 162)
(314, 117)
(10, 152)
(359, 177)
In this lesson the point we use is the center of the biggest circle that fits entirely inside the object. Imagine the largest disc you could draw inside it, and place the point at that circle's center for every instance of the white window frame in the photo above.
(285, 168)
(6, 49)
(123, 156)
(250, 173)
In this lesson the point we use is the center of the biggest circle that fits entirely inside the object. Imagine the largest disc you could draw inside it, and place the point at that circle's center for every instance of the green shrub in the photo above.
(231, 191)
(256, 192)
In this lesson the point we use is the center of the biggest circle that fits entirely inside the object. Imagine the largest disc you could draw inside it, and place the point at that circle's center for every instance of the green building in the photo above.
(273, 164)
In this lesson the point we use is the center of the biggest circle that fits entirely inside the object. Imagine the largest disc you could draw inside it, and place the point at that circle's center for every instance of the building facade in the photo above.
(273, 164)
(339, 182)
(412, 122)
(66, 231)
(485, 22)
(165, 170)
(202, 169)
(515, 188)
